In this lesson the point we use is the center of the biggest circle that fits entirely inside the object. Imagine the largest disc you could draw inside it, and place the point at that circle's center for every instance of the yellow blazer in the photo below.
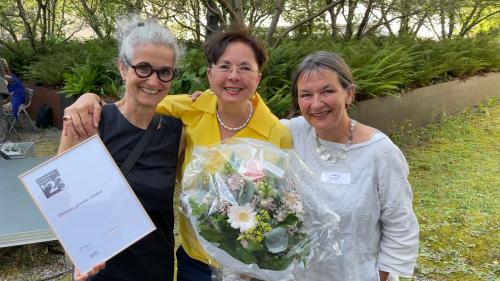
(202, 128)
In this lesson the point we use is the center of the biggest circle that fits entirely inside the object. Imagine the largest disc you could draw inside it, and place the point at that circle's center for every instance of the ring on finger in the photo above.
(67, 118)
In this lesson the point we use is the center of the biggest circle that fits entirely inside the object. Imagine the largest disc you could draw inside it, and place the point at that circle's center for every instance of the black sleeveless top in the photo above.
(153, 180)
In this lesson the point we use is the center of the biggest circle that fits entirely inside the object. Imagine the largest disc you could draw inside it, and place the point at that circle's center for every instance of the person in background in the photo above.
(4, 92)
(2, 67)
(231, 108)
(16, 90)
(363, 175)
(147, 58)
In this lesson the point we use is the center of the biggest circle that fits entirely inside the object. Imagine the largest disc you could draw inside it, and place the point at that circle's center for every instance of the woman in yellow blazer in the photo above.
(231, 108)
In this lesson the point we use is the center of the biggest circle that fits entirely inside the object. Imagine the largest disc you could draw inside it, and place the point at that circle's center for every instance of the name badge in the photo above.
(334, 177)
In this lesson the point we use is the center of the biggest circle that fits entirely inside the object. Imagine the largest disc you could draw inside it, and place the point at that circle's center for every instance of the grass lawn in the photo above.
(454, 172)
(455, 176)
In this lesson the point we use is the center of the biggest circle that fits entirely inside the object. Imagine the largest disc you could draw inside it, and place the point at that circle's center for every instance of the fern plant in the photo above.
(91, 77)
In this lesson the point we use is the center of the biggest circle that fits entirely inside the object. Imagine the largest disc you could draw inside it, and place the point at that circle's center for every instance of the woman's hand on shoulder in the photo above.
(95, 269)
(82, 117)
(196, 95)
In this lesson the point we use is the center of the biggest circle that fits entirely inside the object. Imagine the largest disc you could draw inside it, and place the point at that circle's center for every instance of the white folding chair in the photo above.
(25, 105)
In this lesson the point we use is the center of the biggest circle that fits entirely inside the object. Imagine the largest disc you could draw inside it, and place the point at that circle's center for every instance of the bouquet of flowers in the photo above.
(254, 209)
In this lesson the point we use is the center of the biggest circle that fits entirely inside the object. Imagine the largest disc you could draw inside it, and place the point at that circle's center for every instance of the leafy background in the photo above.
(381, 66)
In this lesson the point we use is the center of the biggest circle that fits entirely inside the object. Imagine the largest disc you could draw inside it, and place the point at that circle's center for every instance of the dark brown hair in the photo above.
(217, 44)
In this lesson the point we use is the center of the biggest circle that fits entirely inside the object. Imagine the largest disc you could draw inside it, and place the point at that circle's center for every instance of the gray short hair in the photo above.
(133, 31)
(323, 60)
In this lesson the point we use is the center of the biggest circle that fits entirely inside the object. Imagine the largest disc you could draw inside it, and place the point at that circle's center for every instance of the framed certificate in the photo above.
(88, 203)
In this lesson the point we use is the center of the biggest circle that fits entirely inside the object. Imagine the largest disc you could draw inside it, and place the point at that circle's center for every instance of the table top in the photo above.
(20, 220)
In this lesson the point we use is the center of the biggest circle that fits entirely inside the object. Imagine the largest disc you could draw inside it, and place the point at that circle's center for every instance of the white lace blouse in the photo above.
(370, 192)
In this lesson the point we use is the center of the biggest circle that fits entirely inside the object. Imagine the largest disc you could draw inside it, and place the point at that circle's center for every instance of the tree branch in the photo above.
(476, 22)
(304, 21)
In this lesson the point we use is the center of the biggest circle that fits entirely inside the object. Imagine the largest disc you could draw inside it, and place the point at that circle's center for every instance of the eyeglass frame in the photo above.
(238, 69)
(134, 66)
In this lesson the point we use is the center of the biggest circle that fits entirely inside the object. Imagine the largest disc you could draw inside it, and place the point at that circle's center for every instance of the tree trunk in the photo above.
(333, 18)
(237, 18)
(278, 9)
(196, 9)
(212, 19)
(350, 18)
(442, 19)
(29, 31)
(451, 22)
(92, 21)
(365, 19)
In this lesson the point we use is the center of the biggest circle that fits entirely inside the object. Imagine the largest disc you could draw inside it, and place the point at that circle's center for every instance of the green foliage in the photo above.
(17, 61)
(378, 69)
(381, 66)
(93, 78)
(59, 58)
(191, 73)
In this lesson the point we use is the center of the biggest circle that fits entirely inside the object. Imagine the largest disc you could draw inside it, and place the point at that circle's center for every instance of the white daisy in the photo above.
(242, 217)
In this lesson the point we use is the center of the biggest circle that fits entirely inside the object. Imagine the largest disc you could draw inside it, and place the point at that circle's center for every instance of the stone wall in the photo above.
(421, 106)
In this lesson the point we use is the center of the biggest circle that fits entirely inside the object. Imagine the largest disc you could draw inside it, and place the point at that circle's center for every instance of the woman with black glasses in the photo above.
(147, 57)
(231, 108)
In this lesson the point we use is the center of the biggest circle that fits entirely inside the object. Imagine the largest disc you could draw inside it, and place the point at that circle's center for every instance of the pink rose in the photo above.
(253, 170)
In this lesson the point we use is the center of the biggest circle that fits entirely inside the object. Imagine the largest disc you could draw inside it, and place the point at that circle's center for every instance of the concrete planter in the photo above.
(53, 98)
(421, 106)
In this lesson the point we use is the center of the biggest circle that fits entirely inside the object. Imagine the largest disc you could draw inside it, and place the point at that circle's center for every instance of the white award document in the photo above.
(88, 203)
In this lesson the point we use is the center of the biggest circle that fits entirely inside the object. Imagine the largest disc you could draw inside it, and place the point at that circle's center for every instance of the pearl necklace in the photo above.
(335, 156)
(236, 128)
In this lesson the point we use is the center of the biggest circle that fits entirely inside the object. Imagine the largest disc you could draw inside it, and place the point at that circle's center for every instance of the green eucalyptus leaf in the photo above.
(276, 240)
(246, 193)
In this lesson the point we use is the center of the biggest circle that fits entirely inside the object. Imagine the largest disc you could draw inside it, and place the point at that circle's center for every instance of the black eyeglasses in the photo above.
(144, 70)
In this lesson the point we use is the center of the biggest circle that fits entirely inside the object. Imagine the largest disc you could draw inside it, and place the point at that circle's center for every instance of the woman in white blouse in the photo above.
(363, 175)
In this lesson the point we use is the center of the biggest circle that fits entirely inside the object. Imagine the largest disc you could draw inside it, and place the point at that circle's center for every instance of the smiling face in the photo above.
(322, 99)
(235, 76)
(147, 91)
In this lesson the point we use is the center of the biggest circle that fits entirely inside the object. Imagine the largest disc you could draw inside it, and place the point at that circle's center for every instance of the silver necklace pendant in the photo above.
(320, 150)
(337, 155)
(324, 156)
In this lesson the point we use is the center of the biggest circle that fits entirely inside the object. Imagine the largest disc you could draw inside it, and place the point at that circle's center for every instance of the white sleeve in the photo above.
(296, 125)
(399, 239)
(287, 123)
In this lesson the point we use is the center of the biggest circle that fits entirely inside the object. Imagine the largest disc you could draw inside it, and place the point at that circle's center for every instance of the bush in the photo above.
(191, 73)
(48, 67)
(381, 66)
(92, 77)
(18, 61)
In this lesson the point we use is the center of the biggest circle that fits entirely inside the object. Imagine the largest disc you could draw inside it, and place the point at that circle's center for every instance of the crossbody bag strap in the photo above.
(140, 146)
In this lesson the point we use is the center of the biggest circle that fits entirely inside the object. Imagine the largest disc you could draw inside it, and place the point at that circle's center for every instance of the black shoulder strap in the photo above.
(140, 146)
